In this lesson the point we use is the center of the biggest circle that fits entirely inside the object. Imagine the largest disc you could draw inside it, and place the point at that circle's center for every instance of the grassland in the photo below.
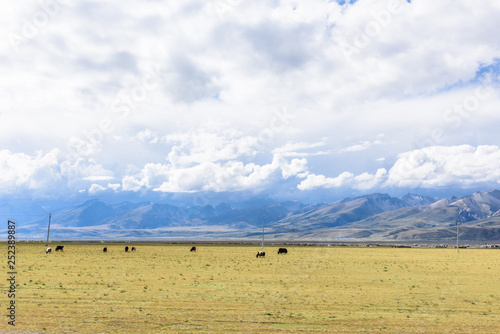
(226, 289)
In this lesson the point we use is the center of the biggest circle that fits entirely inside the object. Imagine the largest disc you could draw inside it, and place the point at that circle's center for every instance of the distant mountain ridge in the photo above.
(374, 216)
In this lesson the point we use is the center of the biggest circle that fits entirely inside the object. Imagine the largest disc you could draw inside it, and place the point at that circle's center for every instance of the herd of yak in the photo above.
(193, 249)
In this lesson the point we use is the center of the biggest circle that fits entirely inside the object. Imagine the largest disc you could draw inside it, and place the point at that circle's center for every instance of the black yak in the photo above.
(261, 254)
(282, 251)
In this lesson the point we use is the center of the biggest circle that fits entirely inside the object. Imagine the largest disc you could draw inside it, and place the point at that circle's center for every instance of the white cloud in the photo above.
(439, 166)
(320, 181)
(364, 181)
(130, 183)
(95, 188)
(114, 186)
(292, 149)
(21, 171)
(98, 178)
(202, 82)
(361, 147)
(431, 167)
(224, 173)
(208, 146)
(295, 168)
(367, 181)
(84, 169)
(147, 136)
(44, 173)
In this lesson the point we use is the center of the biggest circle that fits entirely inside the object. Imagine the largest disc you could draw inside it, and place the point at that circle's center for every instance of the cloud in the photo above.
(364, 181)
(98, 178)
(462, 166)
(439, 166)
(130, 183)
(291, 149)
(44, 173)
(96, 188)
(361, 147)
(204, 160)
(230, 175)
(191, 88)
(320, 181)
(21, 171)
(147, 136)
(205, 145)
(367, 181)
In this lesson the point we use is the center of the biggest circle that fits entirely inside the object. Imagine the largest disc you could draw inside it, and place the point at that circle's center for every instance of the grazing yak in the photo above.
(59, 248)
(193, 249)
(261, 254)
(133, 249)
(282, 251)
(126, 248)
(105, 249)
(48, 250)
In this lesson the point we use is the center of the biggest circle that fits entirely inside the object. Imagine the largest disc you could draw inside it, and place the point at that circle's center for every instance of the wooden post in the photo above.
(263, 218)
(48, 230)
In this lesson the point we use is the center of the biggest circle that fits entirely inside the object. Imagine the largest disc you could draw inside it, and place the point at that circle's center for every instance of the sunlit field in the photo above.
(225, 288)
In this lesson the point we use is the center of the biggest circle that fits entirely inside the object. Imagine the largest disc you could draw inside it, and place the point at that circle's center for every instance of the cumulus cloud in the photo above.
(364, 181)
(218, 176)
(320, 181)
(157, 73)
(19, 170)
(431, 167)
(439, 166)
(206, 160)
(96, 188)
(147, 136)
(45, 173)
(204, 145)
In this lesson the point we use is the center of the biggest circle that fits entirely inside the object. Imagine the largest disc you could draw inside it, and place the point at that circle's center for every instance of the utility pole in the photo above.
(263, 219)
(458, 222)
(48, 230)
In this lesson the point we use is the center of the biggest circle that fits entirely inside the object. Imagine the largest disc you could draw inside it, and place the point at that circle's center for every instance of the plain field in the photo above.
(226, 289)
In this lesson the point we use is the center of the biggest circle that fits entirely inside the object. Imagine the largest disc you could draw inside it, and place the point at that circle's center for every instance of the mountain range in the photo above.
(369, 217)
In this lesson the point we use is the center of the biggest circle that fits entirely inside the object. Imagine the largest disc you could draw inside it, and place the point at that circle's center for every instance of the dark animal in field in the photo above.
(48, 250)
(133, 249)
(105, 249)
(126, 248)
(193, 249)
(261, 254)
(59, 248)
(282, 251)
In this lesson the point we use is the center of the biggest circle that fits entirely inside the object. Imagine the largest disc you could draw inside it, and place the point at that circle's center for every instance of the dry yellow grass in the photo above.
(225, 289)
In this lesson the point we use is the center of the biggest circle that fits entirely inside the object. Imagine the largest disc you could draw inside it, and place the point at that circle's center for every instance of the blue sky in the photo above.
(283, 99)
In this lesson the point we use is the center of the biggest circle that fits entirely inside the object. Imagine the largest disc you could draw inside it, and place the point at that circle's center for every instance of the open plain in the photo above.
(225, 289)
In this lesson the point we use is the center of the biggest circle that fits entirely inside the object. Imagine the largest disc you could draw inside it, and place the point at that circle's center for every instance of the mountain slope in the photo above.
(342, 212)
(380, 217)
(374, 216)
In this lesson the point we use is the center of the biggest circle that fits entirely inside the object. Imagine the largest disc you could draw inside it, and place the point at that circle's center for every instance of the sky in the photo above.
(305, 99)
